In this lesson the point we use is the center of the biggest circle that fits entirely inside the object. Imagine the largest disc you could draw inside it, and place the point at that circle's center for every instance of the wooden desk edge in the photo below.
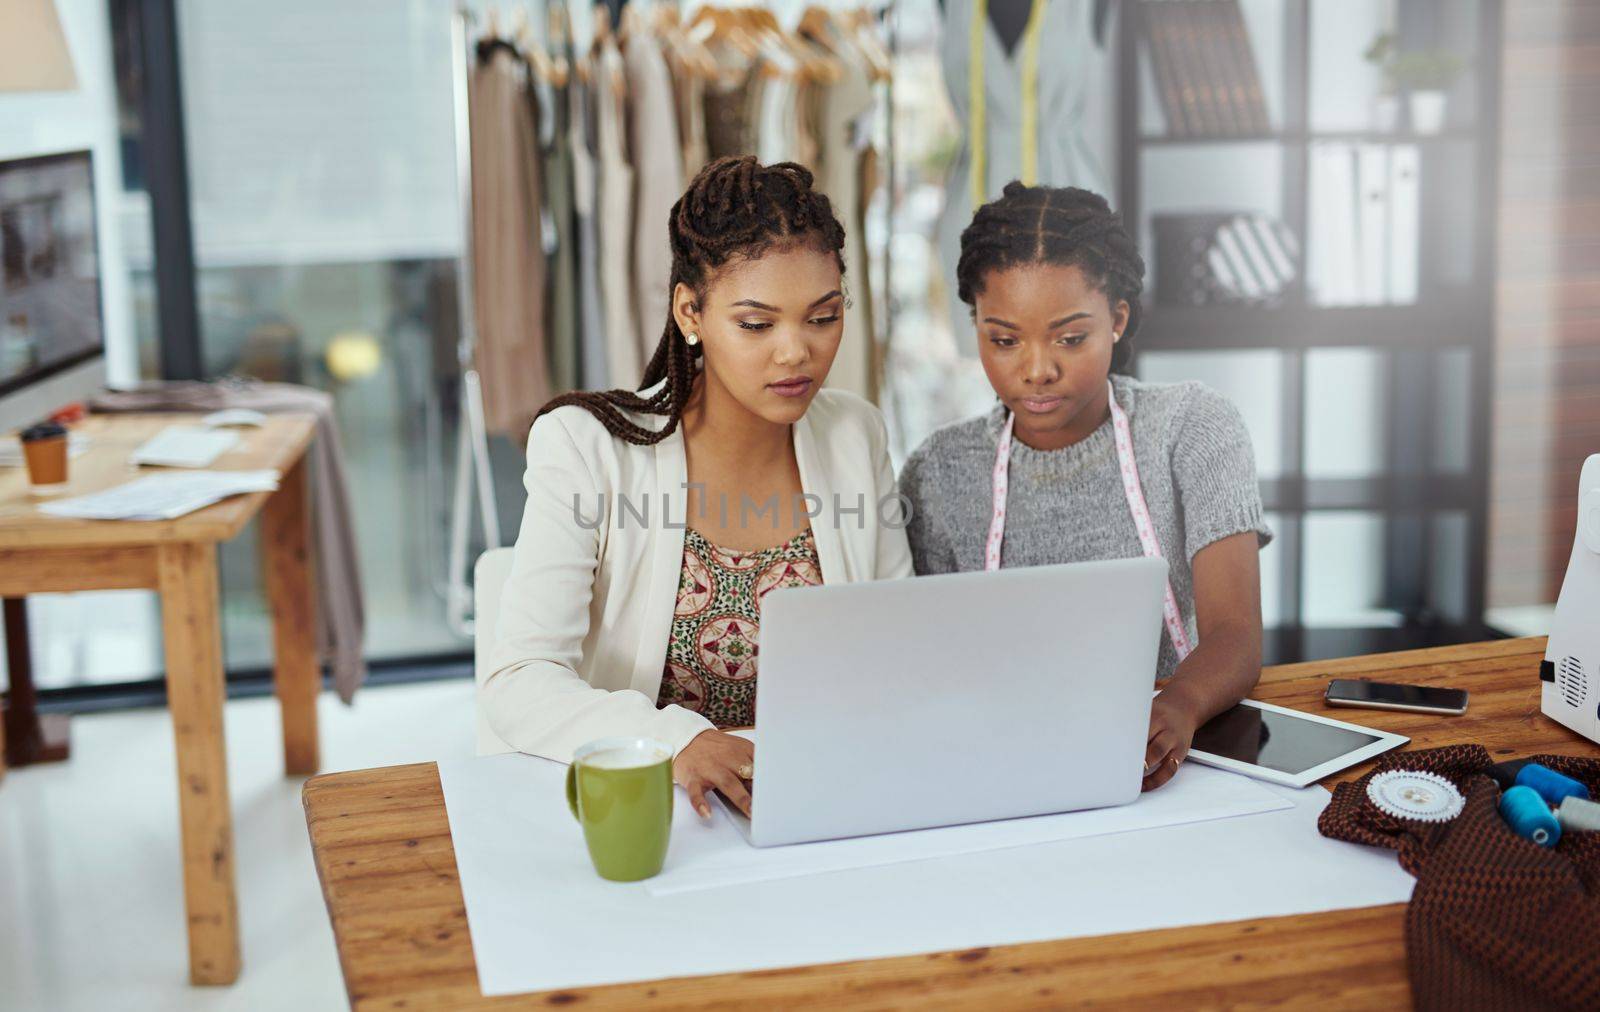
(309, 790)
(1209, 948)
(215, 523)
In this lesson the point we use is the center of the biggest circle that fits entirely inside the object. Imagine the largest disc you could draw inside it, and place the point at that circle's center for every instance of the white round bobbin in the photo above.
(1414, 794)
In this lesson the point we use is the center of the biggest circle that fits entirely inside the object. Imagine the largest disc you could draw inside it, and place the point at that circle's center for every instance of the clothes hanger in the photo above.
(816, 22)
(700, 30)
(558, 29)
(602, 28)
(834, 40)
(528, 45)
(813, 44)
(700, 58)
(691, 54)
(727, 27)
(864, 33)
(763, 29)
(709, 16)
(628, 25)
(788, 54)
(605, 39)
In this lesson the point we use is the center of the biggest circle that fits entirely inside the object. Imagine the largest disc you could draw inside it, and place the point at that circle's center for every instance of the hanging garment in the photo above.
(341, 610)
(508, 261)
(655, 142)
(777, 123)
(1021, 114)
(689, 90)
(624, 350)
(808, 124)
(729, 129)
(593, 353)
(878, 349)
(844, 105)
(560, 226)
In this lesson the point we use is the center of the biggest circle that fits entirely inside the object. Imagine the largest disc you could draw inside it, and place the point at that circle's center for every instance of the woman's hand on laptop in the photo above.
(712, 761)
(1172, 726)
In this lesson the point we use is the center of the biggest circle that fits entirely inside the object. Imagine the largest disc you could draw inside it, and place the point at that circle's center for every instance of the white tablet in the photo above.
(1285, 746)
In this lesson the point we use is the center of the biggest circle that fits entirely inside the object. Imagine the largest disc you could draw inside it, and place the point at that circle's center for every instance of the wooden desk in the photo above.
(178, 558)
(383, 851)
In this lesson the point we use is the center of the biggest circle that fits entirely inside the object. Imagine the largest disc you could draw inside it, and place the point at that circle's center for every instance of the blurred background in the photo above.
(1373, 224)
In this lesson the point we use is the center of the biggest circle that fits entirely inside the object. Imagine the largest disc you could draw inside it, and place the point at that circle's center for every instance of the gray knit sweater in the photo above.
(1195, 465)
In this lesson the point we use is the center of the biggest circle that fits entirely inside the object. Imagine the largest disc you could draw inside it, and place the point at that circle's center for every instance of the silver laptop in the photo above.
(908, 704)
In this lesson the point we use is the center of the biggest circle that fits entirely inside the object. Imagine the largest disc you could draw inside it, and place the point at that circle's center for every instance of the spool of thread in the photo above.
(1505, 774)
(1552, 786)
(1529, 817)
(1578, 815)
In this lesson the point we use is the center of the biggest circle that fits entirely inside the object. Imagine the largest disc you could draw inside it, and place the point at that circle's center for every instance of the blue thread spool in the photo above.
(1578, 815)
(1529, 817)
(1552, 786)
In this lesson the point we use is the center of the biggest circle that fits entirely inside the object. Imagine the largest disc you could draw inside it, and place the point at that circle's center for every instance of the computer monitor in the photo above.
(52, 335)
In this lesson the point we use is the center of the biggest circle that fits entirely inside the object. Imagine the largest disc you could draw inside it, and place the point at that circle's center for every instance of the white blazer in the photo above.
(587, 610)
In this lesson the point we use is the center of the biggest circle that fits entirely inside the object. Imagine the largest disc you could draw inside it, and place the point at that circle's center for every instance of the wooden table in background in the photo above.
(384, 854)
(178, 559)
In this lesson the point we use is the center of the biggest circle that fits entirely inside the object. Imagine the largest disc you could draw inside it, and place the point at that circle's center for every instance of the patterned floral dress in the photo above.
(712, 653)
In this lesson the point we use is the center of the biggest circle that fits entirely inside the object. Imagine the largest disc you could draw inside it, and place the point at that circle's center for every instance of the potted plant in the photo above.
(1424, 75)
(1386, 103)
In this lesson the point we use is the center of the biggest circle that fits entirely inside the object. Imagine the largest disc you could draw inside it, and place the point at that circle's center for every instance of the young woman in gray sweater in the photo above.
(1076, 463)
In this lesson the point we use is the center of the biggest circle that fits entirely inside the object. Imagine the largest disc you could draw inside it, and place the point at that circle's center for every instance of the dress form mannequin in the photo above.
(1041, 63)
(1010, 18)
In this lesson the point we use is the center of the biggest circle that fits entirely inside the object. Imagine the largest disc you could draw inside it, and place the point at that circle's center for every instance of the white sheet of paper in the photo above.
(540, 918)
(162, 496)
(707, 857)
(185, 446)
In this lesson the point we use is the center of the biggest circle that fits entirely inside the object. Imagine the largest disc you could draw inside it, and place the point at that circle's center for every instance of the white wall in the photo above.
(38, 123)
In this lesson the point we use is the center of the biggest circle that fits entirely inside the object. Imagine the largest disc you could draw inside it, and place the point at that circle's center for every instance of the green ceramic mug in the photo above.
(620, 791)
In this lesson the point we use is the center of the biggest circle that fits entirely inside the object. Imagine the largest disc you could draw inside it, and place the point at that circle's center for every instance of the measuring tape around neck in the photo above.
(1131, 490)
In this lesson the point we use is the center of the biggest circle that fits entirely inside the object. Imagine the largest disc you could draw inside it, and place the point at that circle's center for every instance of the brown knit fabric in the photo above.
(1495, 922)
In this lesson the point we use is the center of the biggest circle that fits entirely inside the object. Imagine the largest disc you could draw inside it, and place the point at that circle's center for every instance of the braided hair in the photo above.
(1054, 225)
(734, 208)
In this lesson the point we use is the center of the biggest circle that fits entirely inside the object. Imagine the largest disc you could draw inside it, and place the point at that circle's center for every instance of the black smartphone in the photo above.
(1389, 696)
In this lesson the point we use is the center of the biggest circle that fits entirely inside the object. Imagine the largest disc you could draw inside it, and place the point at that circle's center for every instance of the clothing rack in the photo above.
(473, 471)
(473, 466)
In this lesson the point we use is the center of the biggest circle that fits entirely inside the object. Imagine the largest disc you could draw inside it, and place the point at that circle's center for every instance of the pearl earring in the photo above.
(691, 339)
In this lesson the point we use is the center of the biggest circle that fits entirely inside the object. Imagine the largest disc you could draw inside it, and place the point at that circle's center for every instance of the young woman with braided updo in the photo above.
(1054, 282)
(658, 519)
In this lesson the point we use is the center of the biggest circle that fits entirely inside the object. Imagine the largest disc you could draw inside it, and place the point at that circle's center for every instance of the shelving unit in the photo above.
(1433, 356)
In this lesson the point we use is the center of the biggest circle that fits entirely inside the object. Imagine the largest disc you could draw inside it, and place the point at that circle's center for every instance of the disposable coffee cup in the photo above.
(44, 449)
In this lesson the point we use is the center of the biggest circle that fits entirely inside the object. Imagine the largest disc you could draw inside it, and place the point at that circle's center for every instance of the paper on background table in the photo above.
(718, 855)
(540, 919)
(185, 446)
(162, 496)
